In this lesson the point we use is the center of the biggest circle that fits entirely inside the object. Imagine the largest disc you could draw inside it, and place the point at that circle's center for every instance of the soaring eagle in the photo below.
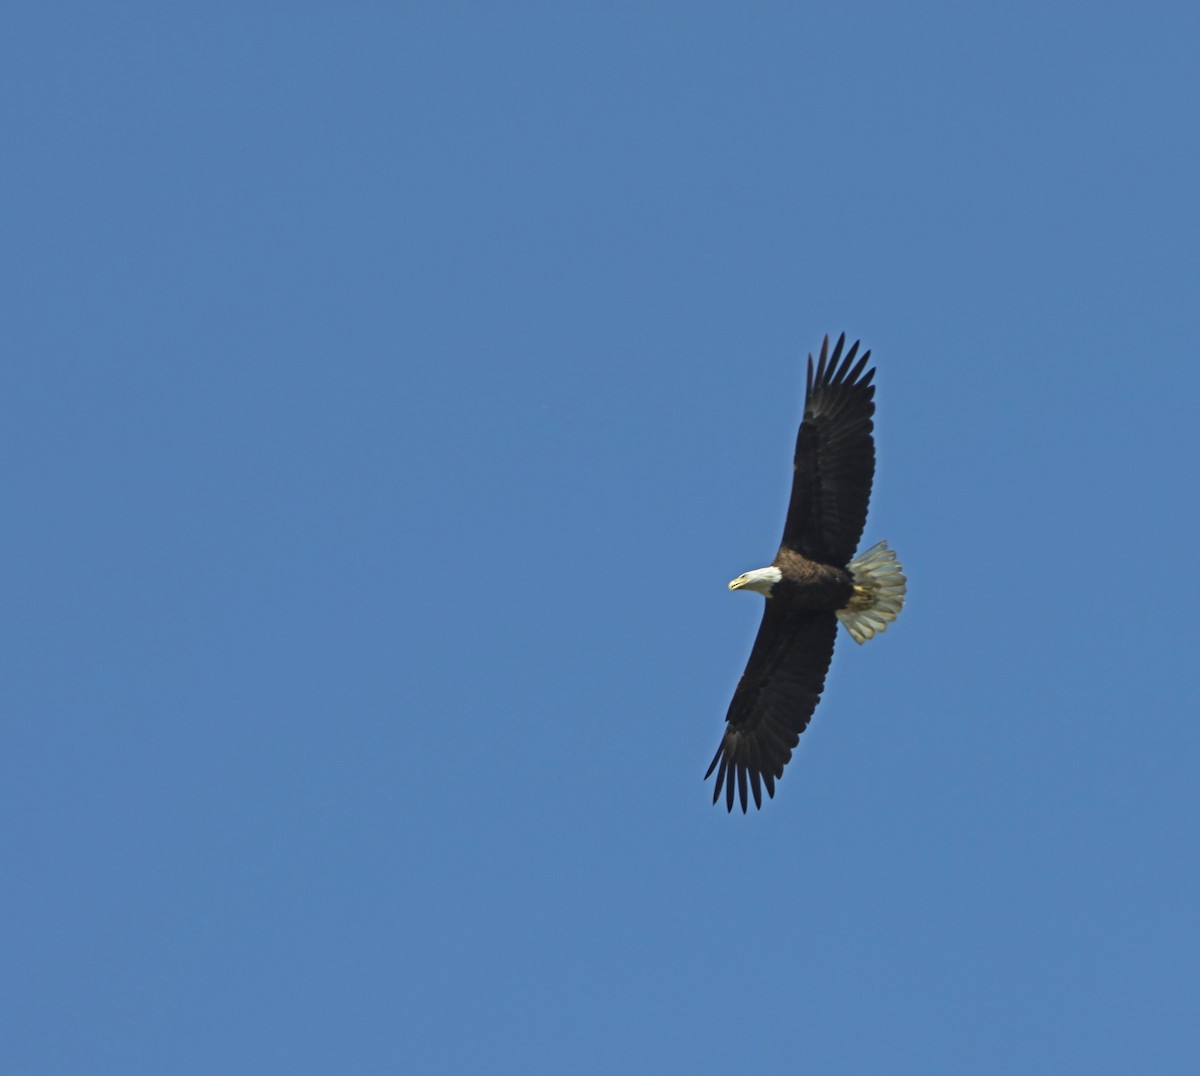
(812, 582)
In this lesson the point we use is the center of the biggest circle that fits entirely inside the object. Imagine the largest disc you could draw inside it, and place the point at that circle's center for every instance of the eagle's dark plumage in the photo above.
(812, 582)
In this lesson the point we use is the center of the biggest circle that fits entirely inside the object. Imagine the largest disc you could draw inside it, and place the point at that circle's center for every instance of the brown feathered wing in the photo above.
(834, 463)
(774, 701)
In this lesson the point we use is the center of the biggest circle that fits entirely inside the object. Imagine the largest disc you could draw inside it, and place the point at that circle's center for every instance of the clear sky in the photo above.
(389, 392)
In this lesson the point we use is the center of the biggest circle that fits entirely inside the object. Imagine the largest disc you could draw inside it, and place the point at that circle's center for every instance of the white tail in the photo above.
(879, 587)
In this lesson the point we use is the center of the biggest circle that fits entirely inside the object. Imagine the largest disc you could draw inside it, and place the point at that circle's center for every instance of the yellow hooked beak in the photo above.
(739, 582)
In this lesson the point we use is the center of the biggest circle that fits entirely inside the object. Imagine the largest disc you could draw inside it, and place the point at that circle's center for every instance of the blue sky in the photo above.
(390, 393)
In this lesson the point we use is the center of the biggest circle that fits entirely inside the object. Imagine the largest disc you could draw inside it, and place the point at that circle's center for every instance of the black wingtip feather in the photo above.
(853, 376)
(719, 783)
(849, 359)
(837, 352)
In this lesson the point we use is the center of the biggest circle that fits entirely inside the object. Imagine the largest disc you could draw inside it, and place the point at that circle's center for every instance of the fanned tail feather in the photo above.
(879, 593)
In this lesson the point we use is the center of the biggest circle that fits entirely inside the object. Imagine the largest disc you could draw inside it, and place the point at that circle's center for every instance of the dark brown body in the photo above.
(808, 584)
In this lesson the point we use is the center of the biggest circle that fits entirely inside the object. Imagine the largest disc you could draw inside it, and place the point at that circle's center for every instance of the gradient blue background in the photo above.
(389, 392)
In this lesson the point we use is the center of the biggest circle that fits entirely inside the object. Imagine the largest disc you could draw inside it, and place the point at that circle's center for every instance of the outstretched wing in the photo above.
(774, 700)
(835, 458)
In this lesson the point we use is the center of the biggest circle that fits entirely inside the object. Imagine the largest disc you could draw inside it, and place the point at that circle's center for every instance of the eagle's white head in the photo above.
(761, 579)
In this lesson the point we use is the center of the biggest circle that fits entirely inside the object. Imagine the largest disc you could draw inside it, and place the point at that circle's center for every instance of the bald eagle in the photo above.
(812, 582)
